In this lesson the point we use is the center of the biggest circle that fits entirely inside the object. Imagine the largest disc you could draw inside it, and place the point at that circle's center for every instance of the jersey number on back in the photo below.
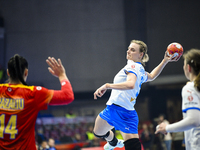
(10, 128)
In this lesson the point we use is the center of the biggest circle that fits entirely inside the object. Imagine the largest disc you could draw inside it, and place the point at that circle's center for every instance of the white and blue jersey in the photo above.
(127, 98)
(191, 100)
(120, 111)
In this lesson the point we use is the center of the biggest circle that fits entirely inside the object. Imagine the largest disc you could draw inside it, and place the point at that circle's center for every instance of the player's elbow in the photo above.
(67, 98)
(131, 86)
(70, 97)
(195, 122)
(151, 78)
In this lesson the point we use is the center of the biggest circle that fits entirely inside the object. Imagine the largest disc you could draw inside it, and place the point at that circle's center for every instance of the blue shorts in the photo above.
(121, 118)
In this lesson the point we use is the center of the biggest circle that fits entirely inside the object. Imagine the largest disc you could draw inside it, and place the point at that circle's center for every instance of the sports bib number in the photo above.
(10, 127)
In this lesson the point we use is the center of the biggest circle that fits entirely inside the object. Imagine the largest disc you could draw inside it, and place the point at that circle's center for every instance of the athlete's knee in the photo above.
(102, 136)
(132, 144)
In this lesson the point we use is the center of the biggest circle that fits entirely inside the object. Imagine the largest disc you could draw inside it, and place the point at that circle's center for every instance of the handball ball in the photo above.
(176, 49)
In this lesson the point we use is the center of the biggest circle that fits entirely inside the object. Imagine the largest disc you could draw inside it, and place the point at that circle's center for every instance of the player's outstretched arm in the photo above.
(156, 71)
(65, 95)
(192, 120)
(127, 85)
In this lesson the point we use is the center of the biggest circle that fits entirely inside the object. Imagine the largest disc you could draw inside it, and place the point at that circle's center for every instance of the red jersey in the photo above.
(19, 107)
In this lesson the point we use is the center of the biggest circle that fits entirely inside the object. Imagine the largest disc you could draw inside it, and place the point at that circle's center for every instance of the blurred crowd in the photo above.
(47, 136)
(152, 141)
(65, 134)
(62, 133)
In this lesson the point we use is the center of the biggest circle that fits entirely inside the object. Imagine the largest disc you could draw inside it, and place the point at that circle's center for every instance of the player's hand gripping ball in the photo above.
(176, 49)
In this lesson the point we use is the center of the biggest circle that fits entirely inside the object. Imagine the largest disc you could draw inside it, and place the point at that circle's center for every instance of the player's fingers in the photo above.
(55, 62)
(50, 65)
(95, 93)
(157, 128)
(95, 97)
(50, 70)
(172, 57)
(156, 132)
(166, 54)
(103, 91)
(47, 61)
(50, 62)
(159, 131)
(59, 62)
(99, 94)
(178, 58)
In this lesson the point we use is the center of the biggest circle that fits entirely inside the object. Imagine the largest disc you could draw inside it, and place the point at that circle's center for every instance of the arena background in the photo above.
(91, 38)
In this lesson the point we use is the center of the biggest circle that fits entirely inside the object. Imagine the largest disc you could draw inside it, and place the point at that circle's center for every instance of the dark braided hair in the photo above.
(16, 68)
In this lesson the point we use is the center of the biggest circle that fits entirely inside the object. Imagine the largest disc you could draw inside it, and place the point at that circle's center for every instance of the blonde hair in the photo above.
(192, 57)
(143, 49)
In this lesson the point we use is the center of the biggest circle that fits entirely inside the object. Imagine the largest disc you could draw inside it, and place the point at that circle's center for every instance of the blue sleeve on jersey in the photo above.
(185, 110)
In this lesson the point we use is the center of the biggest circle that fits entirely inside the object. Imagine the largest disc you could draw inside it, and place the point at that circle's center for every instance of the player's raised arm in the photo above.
(65, 95)
(170, 56)
(157, 70)
(56, 68)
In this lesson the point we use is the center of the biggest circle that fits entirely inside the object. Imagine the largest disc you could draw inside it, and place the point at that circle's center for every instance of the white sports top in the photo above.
(191, 100)
(191, 117)
(127, 98)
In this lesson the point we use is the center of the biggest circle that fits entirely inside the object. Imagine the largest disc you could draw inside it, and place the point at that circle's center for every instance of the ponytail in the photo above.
(16, 68)
(145, 58)
(197, 82)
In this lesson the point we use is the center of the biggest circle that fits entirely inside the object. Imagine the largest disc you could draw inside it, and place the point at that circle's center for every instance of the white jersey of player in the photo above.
(191, 100)
(127, 98)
